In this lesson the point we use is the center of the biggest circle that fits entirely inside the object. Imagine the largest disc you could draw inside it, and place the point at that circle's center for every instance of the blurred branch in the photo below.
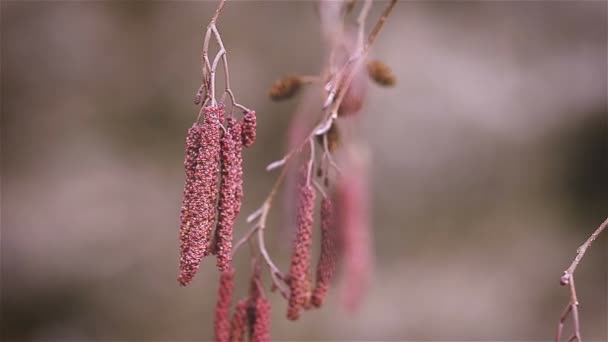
(568, 279)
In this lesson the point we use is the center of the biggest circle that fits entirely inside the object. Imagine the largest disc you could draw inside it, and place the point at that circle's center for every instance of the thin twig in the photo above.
(340, 88)
(568, 279)
(279, 279)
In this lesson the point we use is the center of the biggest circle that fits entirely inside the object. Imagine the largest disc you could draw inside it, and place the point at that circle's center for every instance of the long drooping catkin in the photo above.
(222, 309)
(249, 128)
(193, 139)
(235, 129)
(299, 273)
(204, 197)
(239, 322)
(227, 205)
(355, 236)
(261, 327)
(326, 266)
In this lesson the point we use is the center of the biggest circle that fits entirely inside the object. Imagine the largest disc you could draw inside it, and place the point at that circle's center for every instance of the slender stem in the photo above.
(333, 103)
(568, 279)
(310, 161)
(361, 23)
(580, 252)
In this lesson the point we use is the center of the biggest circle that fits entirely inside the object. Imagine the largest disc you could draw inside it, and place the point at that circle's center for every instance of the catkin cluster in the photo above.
(213, 189)
(302, 295)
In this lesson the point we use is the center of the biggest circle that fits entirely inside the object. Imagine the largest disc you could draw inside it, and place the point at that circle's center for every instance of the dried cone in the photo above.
(326, 266)
(261, 327)
(227, 205)
(249, 128)
(381, 73)
(239, 321)
(193, 139)
(299, 274)
(222, 310)
(285, 88)
(204, 197)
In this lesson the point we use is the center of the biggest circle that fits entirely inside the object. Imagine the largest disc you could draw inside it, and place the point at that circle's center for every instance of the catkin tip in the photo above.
(222, 310)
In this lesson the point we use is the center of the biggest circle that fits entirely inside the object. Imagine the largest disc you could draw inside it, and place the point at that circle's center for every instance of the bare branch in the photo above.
(568, 279)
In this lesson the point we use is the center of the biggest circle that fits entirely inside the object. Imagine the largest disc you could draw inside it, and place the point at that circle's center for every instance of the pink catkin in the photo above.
(355, 235)
(228, 204)
(222, 310)
(261, 327)
(239, 322)
(249, 128)
(326, 266)
(193, 137)
(299, 274)
(236, 129)
(204, 197)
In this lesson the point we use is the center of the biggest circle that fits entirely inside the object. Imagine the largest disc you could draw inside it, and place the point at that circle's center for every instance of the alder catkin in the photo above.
(235, 129)
(299, 273)
(326, 266)
(249, 128)
(204, 196)
(193, 137)
(353, 226)
(239, 321)
(227, 205)
(222, 310)
(261, 327)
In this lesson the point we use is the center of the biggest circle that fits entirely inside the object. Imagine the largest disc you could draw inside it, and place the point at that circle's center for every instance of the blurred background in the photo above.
(489, 167)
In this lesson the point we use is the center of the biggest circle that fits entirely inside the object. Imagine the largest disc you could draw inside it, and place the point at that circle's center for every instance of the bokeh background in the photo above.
(489, 166)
